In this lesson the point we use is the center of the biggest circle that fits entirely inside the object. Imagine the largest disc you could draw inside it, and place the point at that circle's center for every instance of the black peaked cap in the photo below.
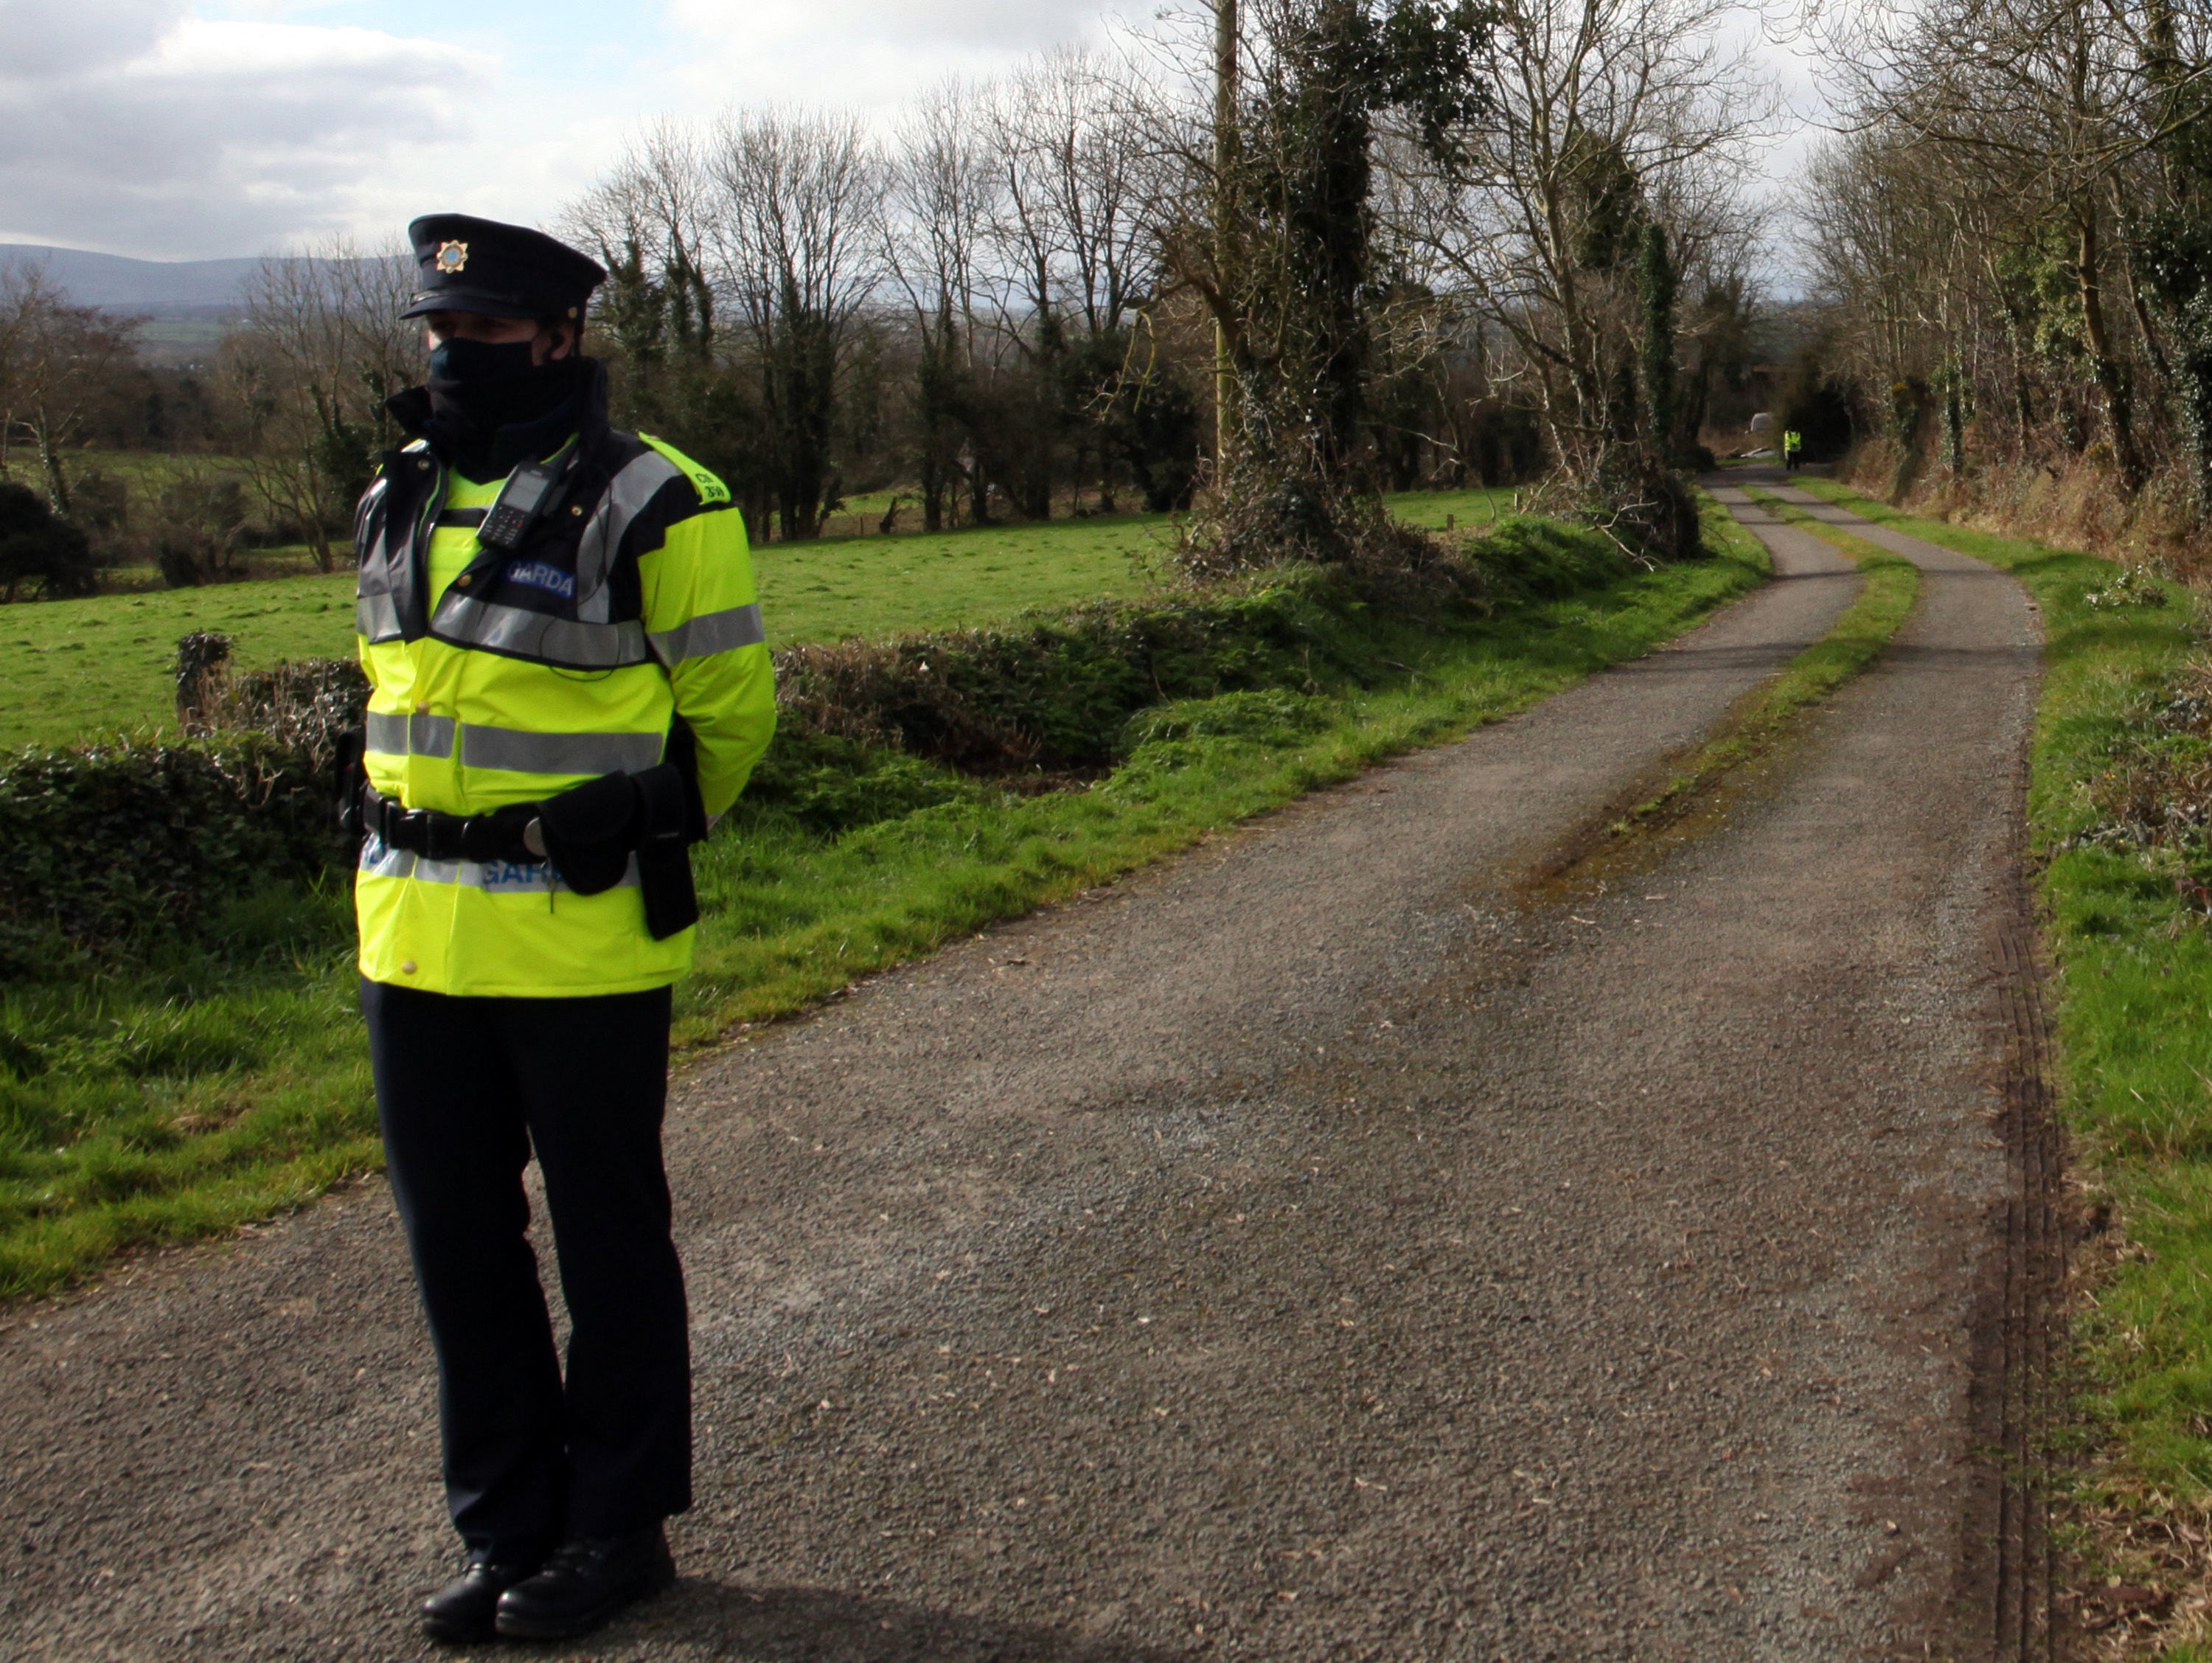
(464, 264)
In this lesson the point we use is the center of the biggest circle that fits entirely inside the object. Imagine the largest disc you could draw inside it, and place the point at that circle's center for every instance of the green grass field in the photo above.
(69, 668)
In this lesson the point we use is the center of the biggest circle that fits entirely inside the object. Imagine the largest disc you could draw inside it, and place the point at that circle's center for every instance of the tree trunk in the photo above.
(2111, 374)
(1224, 162)
(49, 461)
(933, 493)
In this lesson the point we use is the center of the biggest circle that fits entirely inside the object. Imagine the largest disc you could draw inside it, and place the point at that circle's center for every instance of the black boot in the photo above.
(587, 1581)
(465, 1609)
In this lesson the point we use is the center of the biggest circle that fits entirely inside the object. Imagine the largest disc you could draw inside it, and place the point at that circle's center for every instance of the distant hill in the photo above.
(156, 289)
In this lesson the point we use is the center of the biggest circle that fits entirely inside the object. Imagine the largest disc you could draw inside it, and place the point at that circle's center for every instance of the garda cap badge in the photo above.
(451, 257)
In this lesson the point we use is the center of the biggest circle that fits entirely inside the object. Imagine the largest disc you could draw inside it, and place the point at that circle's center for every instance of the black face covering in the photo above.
(491, 384)
(487, 400)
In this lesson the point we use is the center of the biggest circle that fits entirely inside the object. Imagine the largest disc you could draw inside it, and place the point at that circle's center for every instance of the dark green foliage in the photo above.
(1146, 414)
(37, 545)
(1953, 391)
(1295, 298)
(1056, 695)
(1643, 502)
(347, 453)
(1609, 203)
(1272, 716)
(197, 526)
(116, 849)
(2175, 257)
(1657, 283)
(100, 501)
(122, 851)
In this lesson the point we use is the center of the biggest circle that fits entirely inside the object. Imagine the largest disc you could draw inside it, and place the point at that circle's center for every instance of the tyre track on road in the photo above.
(1318, 1246)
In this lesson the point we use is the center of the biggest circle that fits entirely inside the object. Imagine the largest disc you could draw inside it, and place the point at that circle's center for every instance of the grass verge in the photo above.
(228, 1085)
(2121, 876)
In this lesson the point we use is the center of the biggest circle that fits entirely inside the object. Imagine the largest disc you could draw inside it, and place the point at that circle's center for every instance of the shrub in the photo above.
(196, 527)
(116, 848)
(100, 504)
(831, 784)
(304, 705)
(36, 545)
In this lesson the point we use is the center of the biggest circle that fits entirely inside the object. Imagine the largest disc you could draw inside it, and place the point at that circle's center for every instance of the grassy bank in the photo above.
(231, 1081)
(2116, 806)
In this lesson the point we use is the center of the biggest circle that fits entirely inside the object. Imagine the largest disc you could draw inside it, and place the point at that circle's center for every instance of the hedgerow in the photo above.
(117, 847)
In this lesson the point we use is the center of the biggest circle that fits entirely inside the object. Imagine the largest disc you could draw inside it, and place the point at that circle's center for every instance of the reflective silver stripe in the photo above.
(395, 733)
(625, 497)
(377, 616)
(400, 734)
(379, 859)
(557, 753)
(467, 622)
(710, 633)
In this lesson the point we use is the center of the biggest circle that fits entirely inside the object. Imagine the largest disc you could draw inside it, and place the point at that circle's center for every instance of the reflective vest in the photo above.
(499, 678)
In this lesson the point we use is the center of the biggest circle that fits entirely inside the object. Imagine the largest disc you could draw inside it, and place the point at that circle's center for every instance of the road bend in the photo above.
(1335, 1243)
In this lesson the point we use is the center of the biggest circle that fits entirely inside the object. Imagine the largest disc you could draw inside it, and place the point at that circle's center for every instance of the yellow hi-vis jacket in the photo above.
(504, 678)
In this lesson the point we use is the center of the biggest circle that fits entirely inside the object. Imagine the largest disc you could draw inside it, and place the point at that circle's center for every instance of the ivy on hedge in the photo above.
(1055, 694)
(113, 846)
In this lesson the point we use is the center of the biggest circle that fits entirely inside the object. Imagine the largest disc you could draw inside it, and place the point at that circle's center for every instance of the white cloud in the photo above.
(133, 126)
(868, 53)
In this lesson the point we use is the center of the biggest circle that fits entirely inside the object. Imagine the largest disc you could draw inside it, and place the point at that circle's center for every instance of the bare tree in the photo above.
(323, 348)
(943, 196)
(2027, 122)
(56, 361)
(650, 222)
(1606, 115)
(796, 238)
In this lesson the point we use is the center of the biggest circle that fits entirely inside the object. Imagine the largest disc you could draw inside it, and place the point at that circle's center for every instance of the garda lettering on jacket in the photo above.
(379, 859)
(536, 575)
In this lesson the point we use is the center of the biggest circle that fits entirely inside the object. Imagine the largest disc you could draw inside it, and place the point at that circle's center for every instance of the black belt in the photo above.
(590, 833)
(436, 835)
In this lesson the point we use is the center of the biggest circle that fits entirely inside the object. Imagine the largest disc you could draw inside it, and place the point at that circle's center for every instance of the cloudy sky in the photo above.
(193, 129)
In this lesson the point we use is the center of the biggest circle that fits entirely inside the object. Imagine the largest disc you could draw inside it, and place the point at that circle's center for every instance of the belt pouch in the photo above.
(589, 831)
(663, 851)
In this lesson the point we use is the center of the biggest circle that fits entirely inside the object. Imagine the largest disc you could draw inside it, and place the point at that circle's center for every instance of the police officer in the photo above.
(568, 682)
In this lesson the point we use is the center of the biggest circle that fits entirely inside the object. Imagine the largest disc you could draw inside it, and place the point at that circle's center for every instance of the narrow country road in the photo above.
(1332, 1245)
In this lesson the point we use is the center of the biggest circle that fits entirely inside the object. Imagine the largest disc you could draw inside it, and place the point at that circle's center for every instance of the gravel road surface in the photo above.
(1332, 1245)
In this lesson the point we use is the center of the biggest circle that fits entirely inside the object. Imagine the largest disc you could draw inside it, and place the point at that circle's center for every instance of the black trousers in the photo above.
(465, 1090)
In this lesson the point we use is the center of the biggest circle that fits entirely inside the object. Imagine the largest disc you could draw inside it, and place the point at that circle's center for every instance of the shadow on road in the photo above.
(702, 1617)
